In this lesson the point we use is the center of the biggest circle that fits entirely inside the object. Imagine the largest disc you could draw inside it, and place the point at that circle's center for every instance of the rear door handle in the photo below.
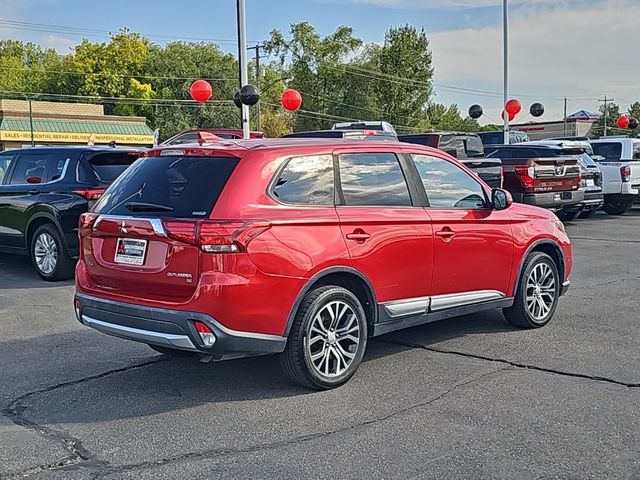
(358, 235)
(446, 233)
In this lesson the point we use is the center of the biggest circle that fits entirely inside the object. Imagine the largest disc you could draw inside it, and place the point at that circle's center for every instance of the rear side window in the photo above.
(474, 146)
(306, 180)
(180, 187)
(5, 161)
(636, 151)
(612, 151)
(30, 166)
(108, 166)
(373, 179)
(186, 138)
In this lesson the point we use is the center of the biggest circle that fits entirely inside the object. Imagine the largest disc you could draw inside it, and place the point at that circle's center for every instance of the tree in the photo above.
(442, 117)
(634, 112)
(613, 113)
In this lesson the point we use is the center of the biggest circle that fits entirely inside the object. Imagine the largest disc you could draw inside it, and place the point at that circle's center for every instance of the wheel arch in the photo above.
(548, 246)
(38, 219)
(345, 277)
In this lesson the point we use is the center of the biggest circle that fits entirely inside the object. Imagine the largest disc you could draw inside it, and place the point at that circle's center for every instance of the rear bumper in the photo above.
(593, 200)
(552, 200)
(565, 287)
(172, 329)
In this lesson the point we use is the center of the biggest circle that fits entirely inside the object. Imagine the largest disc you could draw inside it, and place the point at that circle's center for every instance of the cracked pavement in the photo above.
(465, 398)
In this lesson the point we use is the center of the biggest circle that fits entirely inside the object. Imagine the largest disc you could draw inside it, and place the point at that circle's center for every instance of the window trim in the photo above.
(59, 179)
(487, 205)
(414, 197)
(283, 164)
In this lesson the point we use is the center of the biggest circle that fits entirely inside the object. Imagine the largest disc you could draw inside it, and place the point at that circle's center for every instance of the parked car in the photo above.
(191, 136)
(309, 250)
(43, 192)
(466, 147)
(541, 176)
(619, 158)
(497, 137)
(382, 126)
(590, 172)
(346, 134)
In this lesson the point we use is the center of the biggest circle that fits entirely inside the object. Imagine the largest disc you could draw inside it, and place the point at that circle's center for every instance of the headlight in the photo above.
(560, 226)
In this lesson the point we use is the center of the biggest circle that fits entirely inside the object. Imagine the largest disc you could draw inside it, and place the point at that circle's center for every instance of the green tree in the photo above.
(26, 67)
(442, 117)
(613, 113)
(634, 112)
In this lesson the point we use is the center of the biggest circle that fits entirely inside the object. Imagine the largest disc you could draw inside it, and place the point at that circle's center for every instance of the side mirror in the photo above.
(501, 199)
(34, 179)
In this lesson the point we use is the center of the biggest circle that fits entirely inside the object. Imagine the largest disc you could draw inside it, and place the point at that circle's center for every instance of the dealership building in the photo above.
(54, 123)
(580, 124)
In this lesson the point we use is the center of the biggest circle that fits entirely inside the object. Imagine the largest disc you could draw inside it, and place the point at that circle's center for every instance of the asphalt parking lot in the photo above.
(470, 397)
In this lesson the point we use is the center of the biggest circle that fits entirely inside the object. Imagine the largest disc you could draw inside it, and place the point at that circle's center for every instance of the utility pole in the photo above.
(257, 49)
(565, 116)
(505, 48)
(33, 144)
(606, 112)
(242, 56)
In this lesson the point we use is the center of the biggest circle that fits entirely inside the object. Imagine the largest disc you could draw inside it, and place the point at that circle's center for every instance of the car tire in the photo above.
(536, 298)
(618, 204)
(172, 352)
(568, 216)
(327, 340)
(49, 254)
(588, 213)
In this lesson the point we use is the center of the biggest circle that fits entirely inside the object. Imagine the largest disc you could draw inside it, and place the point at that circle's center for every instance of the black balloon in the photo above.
(236, 99)
(249, 95)
(537, 110)
(633, 123)
(475, 111)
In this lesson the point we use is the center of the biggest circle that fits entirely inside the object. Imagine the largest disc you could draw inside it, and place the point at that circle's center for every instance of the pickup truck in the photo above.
(540, 175)
(619, 160)
(467, 148)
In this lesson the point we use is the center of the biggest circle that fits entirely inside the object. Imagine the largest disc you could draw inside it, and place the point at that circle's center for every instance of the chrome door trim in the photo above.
(156, 223)
(453, 300)
(409, 306)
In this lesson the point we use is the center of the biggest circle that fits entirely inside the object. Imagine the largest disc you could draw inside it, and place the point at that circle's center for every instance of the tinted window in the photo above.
(373, 179)
(447, 185)
(185, 186)
(636, 151)
(427, 140)
(473, 146)
(306, 180)
(5, 161)
(108, 166)
(492, 138)
(502, 153)
(612, 151)
(186, 138)
(530, 153)
(29, 165)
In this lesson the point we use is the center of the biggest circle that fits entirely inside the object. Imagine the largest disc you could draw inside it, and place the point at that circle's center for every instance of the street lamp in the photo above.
(505, 51)
(242, 56)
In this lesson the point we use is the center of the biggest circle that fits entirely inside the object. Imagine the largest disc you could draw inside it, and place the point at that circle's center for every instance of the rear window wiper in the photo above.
(148, 207)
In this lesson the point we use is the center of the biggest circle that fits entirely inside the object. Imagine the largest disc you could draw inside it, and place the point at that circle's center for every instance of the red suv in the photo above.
(309, 248)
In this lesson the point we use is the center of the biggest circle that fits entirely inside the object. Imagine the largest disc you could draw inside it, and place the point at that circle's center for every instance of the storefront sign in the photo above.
(64, 137)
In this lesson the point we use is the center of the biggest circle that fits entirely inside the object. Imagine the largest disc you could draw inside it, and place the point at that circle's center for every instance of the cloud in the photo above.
(62, 45)
(555, 51)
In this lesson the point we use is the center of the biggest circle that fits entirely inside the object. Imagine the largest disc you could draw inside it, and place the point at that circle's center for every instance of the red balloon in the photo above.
(200, 91)
(511, 116)
(291, 99)
(514, 107)
(623, 122)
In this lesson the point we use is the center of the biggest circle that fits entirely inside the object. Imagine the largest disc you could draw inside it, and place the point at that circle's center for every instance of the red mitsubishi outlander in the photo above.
(308, 248)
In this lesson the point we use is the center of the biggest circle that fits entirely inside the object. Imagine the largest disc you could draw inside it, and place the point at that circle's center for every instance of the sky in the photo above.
(579, 49)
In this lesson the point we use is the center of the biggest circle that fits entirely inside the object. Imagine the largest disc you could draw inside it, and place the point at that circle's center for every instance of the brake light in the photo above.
(87, 220)
(526, 176)
(216, 237)
(90, 193)
(625, 173)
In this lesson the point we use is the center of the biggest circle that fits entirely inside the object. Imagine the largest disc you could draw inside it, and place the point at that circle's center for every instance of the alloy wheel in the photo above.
(333, 339)
(46, 253)
(540, 292)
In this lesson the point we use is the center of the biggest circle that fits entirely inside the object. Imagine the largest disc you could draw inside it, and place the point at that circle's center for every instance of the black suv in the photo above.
(43, 191)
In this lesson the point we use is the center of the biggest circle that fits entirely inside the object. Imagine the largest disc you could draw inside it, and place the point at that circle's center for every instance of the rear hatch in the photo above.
(550, 174)
(141, 238)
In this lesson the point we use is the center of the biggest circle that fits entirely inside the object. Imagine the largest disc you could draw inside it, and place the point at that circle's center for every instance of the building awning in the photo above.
(75, 131)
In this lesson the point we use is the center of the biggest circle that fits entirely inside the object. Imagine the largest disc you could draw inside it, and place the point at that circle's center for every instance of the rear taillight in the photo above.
(205, 333)
(526, 176)
(90, 193)
(216, 237)
(87, 220)
(625, 173)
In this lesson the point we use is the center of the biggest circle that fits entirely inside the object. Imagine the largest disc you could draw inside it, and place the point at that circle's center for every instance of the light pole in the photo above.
(244, 69)
(505, 51)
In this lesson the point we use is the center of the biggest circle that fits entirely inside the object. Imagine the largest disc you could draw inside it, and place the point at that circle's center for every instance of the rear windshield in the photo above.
(427, 140)
(473, 146)
(612, 151)
(180, 187)
(109, 166)
(492, 138)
